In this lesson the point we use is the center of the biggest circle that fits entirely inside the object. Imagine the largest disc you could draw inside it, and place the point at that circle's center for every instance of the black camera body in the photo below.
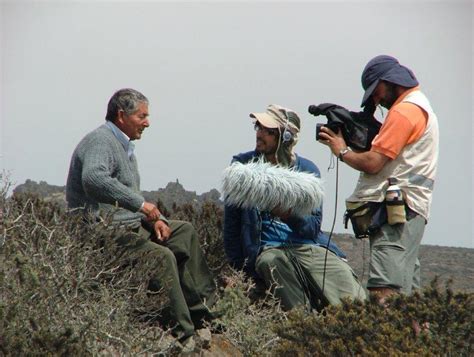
(357, 128)
(318, 129)
(333, 126)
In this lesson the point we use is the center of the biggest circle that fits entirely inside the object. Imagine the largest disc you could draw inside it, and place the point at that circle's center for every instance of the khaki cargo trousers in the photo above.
(296, 274)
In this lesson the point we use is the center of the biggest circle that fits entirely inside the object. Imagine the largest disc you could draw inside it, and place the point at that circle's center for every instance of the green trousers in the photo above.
(295, 275)
(182, 271)
(394, 259)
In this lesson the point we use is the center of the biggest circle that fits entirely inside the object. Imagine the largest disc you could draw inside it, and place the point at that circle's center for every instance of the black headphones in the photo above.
(287, 135)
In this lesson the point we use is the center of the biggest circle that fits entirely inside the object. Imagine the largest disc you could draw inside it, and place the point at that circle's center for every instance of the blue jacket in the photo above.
(242, 227)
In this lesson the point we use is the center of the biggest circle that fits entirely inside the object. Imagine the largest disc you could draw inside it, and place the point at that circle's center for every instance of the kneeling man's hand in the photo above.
(278, 212)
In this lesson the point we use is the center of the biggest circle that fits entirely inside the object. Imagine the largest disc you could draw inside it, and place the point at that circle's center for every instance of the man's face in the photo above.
(385, 95)
(134, 124)
(267, 139)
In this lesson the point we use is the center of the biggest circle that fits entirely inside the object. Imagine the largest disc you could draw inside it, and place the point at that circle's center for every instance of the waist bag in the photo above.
(366, 217)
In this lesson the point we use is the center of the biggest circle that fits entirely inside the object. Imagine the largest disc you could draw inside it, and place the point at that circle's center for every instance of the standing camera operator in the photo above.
(406, 152)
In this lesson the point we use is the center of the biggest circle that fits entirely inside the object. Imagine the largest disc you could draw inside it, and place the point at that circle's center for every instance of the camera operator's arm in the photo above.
(370, 162)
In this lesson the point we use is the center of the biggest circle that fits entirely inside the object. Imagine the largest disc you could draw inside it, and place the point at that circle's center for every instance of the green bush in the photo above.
(67, 289)
(370, 329)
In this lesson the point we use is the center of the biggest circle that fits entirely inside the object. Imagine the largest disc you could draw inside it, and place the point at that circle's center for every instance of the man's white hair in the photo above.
(266, 187)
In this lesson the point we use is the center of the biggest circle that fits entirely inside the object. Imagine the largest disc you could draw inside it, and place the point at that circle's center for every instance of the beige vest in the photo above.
(414, 168)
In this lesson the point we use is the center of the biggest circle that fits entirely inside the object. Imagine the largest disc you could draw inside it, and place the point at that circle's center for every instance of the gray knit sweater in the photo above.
(103, 180)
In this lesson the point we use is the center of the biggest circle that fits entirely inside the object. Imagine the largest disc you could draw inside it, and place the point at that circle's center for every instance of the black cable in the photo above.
(309, 289)
(299, 272)
(304, 282)
(363, 265)
(333, 224)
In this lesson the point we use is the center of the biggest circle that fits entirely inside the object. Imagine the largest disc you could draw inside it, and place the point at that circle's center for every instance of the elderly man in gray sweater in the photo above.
(104, 181)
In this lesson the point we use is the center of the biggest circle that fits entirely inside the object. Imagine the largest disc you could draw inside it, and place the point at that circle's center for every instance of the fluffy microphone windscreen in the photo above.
(266, 187)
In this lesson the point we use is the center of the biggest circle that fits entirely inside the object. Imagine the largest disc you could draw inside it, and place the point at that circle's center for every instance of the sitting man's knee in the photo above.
(185, 228)
(162, 255)
(269, 261)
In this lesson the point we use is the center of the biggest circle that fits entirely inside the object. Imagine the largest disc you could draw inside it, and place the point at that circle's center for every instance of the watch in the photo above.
(342, 153)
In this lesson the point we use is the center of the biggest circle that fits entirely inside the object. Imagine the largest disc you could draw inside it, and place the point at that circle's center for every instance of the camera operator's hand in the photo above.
(370, 162)
(335, 141)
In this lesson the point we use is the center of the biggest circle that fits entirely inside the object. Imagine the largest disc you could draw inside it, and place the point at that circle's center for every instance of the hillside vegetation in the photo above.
(68, 290)
(448, 264)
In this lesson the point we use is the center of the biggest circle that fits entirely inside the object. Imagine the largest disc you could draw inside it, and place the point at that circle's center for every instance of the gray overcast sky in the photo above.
(206, 66)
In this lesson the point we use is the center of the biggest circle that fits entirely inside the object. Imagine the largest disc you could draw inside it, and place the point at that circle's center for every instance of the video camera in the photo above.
(358, 128)
(333, 126)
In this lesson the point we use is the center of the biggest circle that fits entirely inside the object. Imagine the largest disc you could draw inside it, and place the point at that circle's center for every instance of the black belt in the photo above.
(410, 213)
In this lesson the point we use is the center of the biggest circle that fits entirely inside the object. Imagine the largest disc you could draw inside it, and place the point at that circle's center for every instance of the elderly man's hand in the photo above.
(162, 231)
(151, 212)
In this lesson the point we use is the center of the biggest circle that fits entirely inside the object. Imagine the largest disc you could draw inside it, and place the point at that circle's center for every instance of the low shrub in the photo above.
(370, 329)
(67, 289)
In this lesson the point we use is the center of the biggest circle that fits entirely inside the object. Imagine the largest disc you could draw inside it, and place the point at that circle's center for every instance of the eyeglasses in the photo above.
(268, 131)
